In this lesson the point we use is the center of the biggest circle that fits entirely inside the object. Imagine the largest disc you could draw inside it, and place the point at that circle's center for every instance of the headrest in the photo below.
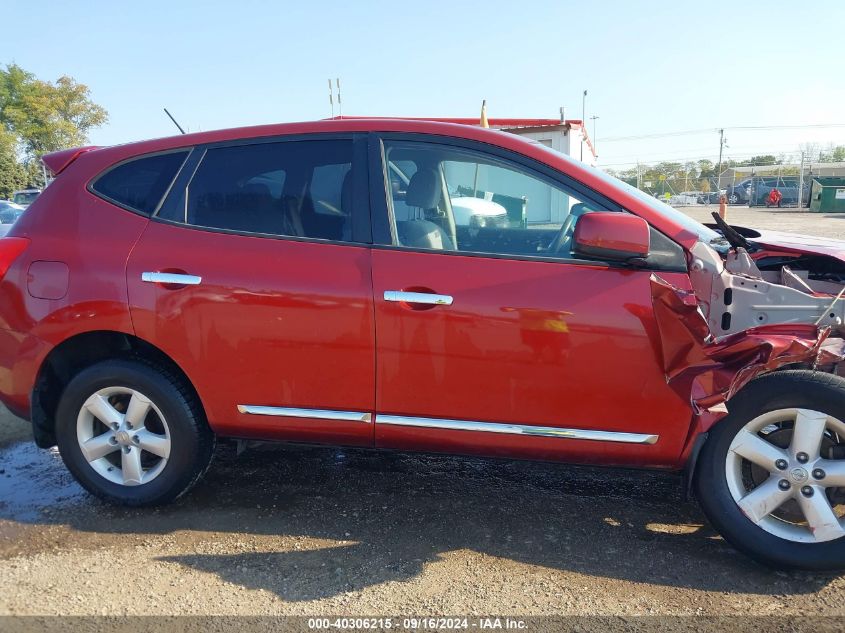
(423, 189)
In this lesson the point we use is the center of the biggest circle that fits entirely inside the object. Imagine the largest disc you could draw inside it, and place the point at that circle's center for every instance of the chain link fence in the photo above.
(749, 185)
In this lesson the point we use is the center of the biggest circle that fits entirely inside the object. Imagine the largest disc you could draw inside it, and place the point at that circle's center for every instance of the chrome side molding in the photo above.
(453, 425)
(519, 429)
(417, 297)
(320, 414)
(171, 278)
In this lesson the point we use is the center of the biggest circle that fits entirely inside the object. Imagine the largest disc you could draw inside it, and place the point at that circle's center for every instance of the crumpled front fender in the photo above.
(709, 371)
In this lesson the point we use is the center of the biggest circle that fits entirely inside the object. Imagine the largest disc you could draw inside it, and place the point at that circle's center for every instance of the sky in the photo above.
(650, 68)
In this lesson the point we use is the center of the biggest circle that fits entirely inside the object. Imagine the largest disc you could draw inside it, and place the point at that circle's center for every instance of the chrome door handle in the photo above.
(171, 278)
(418, 297)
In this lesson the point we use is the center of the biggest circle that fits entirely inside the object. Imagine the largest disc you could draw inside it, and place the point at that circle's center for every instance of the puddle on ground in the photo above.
(33, 480)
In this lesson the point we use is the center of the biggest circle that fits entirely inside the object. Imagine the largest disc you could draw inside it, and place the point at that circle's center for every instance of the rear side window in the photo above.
(289, 188)
(141, 183)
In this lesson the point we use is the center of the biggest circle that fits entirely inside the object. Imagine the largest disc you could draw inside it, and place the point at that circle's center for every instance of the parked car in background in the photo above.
(477, 212)
(25, 197)
(10, 212)
(739, 193)
(273, 283)
(754, 191)
(684, 198)
(708, 197)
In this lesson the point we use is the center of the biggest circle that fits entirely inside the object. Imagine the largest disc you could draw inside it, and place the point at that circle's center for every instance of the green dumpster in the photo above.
(827, 195)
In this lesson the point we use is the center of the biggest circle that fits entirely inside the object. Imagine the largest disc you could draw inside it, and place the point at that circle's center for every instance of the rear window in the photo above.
(140, 184)
(297, 188)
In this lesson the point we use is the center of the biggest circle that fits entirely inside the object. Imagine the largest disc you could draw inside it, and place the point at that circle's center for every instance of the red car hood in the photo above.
(796, 243)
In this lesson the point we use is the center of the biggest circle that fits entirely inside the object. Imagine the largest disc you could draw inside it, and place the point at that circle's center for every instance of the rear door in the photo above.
(255, 278)
(493, 338)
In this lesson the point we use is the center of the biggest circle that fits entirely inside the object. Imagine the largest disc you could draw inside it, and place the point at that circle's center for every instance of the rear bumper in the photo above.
(21, 355)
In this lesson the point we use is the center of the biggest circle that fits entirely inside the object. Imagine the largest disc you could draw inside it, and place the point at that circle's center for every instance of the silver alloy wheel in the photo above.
(793, 474)
(123, 436)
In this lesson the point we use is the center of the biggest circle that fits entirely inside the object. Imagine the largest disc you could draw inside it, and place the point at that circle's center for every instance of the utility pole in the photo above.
(801, 182)
(583, 122)
(719, 168)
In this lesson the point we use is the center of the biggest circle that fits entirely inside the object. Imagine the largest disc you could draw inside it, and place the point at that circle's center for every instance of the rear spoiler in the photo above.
(56, 162)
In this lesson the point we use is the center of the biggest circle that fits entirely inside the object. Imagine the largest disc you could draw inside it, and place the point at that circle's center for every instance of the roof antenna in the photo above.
(174, 121)
(339, 103)
(331, 99)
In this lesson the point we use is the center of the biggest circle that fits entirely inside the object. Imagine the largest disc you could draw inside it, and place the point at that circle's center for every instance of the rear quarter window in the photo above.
(139, 184)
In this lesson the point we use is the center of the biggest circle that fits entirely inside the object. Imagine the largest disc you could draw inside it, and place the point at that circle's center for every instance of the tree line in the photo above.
(37, 117)
(701, 175)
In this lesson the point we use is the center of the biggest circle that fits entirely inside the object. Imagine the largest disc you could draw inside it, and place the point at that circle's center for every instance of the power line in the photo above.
(717, 130)
(697, 153)
(786, 155)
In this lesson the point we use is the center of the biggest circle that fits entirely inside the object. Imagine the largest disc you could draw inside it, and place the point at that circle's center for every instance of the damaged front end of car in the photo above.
(739, 322)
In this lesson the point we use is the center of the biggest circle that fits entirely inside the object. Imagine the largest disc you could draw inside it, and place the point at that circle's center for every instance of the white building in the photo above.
(543, 203)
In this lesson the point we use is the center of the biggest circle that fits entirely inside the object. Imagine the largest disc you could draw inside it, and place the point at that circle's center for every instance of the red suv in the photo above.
(309, 283)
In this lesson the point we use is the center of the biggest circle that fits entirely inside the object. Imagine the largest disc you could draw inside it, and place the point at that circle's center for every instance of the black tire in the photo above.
(734, 199)
(779, 390)
(192, 441)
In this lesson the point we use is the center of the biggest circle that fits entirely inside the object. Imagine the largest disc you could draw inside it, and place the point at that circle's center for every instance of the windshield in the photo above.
(678, 217)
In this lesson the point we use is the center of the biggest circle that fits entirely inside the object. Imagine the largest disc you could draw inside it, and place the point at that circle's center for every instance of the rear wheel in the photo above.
(771, 476)
(133, 434)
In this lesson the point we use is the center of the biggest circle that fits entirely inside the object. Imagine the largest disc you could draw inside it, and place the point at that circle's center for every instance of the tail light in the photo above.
(10, 249)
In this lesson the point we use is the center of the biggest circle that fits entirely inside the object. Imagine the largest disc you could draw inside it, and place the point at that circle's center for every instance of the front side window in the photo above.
(454, 199)
(291, 188)
(140, 184)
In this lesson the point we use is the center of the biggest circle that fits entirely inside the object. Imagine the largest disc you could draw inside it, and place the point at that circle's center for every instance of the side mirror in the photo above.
(612, 236)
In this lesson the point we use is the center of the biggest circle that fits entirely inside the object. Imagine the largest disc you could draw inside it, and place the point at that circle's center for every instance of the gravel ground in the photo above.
(821, 224)
(306, 531)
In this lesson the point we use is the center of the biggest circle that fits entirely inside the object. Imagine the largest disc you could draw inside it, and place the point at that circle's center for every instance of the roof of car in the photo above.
(355, 124)
(108, 155)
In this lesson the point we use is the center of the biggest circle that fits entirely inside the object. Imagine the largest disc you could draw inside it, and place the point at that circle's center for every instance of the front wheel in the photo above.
(771, 476)
(132, 433)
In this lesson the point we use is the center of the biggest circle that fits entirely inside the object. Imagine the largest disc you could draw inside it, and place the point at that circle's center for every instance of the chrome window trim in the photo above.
(519, 429)
(320, 414)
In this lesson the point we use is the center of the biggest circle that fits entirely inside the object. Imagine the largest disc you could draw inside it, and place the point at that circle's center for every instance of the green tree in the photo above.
(706, 168)
(12, 173)
(755, 161)
(833, 154)
(43, 116)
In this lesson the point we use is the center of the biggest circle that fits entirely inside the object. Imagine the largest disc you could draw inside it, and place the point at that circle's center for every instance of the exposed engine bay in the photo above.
(747, 315)
(736, 294)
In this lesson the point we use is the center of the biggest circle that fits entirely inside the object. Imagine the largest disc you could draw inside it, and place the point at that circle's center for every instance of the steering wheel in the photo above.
(561, 241)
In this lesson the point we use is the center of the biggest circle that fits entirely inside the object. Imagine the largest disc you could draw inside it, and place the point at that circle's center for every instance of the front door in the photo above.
(254, 280)
(492, 338)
